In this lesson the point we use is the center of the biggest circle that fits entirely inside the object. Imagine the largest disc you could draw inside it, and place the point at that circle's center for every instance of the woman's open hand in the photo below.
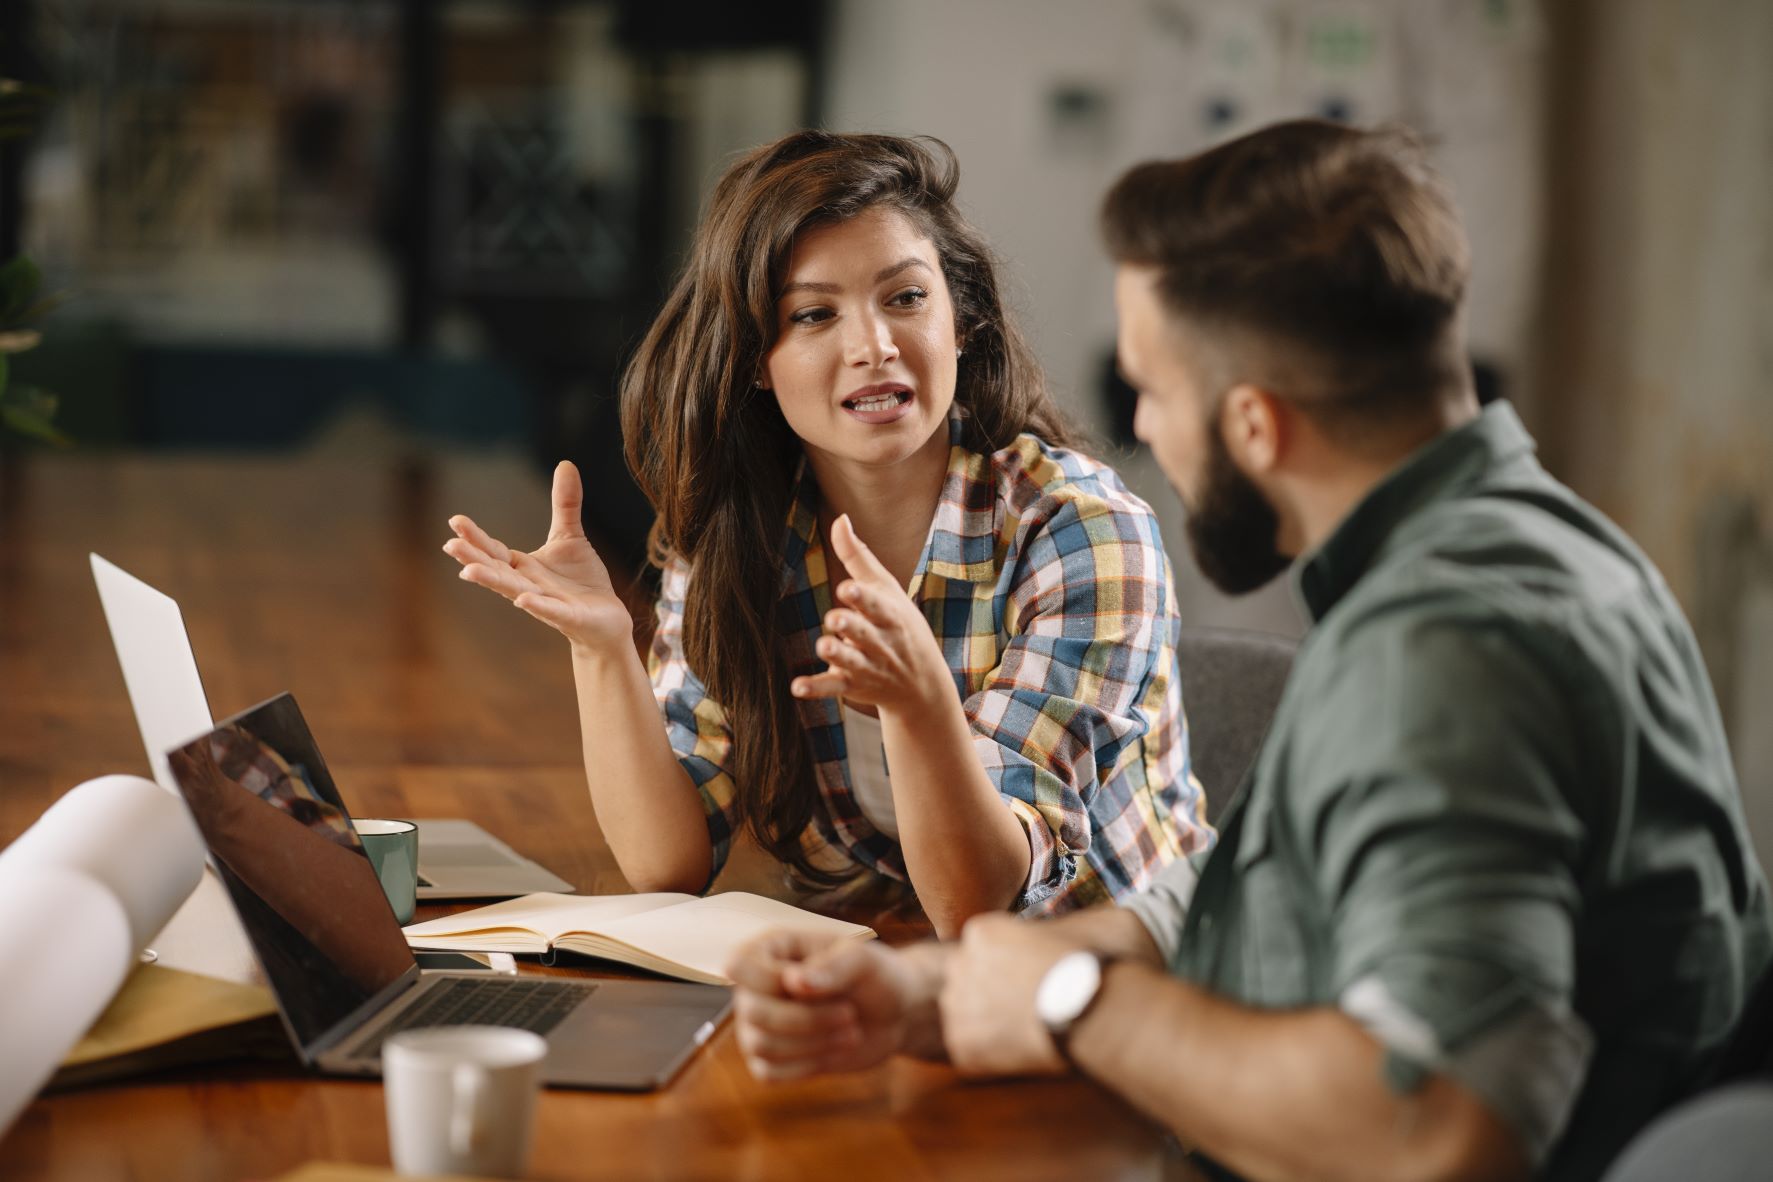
(878, 645)
(564, 584)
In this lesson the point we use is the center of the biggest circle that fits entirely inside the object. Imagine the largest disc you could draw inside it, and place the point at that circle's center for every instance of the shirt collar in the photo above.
(1440, 470)
(962, 543)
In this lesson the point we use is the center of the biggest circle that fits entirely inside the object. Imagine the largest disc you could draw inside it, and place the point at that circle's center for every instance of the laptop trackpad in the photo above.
(634, 1035)
(443, 855)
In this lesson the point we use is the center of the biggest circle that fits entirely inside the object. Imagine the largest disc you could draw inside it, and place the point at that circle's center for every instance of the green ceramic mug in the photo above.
(393, 849)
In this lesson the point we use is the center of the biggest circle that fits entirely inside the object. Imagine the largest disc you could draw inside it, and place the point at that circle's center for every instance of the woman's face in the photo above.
(864, 361)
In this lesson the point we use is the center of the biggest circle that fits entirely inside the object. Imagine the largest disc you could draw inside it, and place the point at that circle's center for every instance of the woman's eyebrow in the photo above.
(905, 264)
(880, 276)
(821, 288)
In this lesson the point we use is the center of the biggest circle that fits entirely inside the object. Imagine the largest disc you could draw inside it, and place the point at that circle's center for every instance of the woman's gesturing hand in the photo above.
(879, 647)
(564, 584)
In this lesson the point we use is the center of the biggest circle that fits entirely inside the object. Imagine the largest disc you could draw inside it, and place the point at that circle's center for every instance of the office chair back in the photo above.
(1750, 1049)
(1722, 1135)
(1231, 683)
(1725, 1131)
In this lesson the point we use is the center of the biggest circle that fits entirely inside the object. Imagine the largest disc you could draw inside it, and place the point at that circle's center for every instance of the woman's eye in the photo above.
(811, 316)
(911, 297)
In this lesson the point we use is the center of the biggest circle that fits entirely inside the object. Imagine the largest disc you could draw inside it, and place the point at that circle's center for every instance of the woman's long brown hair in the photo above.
(716, 458)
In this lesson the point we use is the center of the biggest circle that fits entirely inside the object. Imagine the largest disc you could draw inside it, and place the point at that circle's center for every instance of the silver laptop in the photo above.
(457, 859)
(281, 839)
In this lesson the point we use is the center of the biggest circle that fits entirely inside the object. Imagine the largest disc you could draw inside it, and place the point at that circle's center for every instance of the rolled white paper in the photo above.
(81, 893)
(64, 952)
(126, 833)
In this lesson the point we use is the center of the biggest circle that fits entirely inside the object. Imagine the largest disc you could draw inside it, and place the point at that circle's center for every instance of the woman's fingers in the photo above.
(857, 558)
(871, 602)
(841, 654)
(464, 528)
(520, 576)
(545, 577)
(496, 576)
(465, 552)
(568, 502)
(858, 630)
(555, 612)
(833, 683)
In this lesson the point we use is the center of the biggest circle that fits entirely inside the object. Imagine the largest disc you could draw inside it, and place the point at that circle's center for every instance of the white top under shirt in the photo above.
(868, 771)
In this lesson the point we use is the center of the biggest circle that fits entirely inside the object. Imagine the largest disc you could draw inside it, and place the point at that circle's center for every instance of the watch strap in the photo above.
(1061, 1032)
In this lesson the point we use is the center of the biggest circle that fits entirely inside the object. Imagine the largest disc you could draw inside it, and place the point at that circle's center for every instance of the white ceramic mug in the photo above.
(462, 1099)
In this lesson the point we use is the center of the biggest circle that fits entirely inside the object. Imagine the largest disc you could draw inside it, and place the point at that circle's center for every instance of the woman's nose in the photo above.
(870, 342)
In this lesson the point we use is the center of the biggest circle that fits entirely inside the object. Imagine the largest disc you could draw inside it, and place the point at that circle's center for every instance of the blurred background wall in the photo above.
(386, 227)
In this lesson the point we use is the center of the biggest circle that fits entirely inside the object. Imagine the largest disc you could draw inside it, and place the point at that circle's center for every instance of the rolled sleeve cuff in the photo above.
(1050, 867)
(1163, 905)
(1526, 1064)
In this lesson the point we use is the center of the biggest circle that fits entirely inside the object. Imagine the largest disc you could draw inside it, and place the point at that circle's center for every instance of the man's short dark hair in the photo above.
(1334, 250)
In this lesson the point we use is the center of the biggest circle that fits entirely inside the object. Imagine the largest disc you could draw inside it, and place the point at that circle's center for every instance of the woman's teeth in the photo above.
(878, 402)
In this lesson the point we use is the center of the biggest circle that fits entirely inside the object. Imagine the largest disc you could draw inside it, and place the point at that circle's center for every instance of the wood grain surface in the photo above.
(323, 576)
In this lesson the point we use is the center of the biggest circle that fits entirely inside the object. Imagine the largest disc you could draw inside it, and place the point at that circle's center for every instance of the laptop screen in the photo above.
(282, 841)
(159, 668)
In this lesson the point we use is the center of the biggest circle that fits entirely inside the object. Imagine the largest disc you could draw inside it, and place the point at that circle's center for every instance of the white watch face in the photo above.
(1067, 989)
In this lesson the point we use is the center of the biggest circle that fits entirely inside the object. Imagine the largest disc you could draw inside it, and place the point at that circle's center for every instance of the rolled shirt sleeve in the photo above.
(694, 723)
(1163, 905)
(1447, 854)
(1089, 619)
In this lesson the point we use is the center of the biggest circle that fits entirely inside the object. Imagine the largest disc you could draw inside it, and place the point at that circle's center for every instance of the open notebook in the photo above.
(677, 935)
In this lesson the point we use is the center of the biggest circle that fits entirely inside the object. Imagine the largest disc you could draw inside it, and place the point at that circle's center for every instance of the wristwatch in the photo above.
(1067, 992)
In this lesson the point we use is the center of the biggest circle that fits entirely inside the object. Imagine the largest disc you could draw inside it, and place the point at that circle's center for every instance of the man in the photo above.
(1486, 902)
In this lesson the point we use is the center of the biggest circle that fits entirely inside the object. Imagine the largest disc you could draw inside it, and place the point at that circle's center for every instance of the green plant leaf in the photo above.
(43, 307)
(20, 280)
(25, 423)
(31, 411)
(33, 400)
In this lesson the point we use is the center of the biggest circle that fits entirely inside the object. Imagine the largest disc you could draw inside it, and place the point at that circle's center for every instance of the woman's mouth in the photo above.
(884, 403)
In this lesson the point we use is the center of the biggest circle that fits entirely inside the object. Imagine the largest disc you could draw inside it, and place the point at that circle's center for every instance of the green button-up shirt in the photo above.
(1495, 819)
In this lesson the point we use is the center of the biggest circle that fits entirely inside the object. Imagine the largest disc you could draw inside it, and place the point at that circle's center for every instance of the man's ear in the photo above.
(1256, 426)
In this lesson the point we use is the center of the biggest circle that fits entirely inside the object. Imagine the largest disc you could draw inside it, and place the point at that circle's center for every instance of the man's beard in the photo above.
(1231, 526)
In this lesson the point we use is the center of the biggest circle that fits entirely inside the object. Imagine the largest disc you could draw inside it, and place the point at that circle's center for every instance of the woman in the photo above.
(832, 409)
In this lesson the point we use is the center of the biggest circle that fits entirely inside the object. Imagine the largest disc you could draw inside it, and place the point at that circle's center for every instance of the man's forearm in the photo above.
(1107, 930)
(1280, 1094)
(925, 965)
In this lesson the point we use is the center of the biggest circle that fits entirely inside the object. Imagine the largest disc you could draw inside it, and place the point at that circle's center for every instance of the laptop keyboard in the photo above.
(485, 1001)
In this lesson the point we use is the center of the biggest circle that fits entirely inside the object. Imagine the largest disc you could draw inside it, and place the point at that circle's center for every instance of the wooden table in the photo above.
(323, 576)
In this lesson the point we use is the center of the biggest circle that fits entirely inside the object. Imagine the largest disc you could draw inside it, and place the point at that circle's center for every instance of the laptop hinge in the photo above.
(354, 1021)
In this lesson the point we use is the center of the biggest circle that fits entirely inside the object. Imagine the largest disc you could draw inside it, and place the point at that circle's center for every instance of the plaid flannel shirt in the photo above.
(1047, 587)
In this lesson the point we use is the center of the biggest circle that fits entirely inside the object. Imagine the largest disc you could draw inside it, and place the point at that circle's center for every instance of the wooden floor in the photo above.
(323, 576)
